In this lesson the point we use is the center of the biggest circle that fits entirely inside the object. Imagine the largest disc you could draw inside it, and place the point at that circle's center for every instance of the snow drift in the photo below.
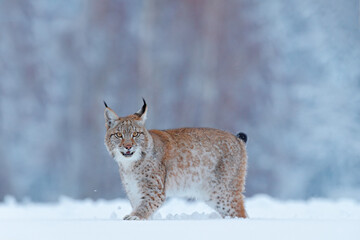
(180, 219)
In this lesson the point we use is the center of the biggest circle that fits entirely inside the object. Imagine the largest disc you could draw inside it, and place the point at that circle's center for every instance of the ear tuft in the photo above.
(142, 113)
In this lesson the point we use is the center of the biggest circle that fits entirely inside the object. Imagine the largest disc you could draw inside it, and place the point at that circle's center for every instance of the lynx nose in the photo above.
(128, 146)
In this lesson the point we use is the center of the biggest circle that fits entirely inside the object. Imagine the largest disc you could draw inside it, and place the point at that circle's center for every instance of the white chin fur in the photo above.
(127, 161)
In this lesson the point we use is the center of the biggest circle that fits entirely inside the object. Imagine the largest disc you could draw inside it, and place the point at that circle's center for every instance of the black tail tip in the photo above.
(242, 136)
(105, 104)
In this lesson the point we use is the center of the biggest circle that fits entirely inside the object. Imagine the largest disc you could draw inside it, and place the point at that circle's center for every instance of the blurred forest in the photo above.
(285, 72)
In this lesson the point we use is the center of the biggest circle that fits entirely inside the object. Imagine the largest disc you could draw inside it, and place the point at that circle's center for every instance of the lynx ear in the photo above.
(142, 113)
(110, 117)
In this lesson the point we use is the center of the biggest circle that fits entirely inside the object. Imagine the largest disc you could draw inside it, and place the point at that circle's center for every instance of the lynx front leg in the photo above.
(152, 197)
(131, 217)
(149, 204)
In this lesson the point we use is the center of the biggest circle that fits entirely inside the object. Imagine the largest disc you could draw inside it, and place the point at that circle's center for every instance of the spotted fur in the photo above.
(202, 163)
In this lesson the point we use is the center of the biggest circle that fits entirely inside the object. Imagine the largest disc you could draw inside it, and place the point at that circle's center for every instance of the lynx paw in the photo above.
(131, 217)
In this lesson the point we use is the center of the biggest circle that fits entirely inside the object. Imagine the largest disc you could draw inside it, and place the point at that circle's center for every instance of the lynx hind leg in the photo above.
(228, 204)
(227, 198)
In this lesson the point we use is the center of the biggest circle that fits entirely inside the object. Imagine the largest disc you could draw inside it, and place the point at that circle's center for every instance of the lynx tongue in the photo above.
(127, 153)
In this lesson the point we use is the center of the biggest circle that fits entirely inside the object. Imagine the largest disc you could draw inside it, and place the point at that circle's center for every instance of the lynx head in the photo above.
(126, 138)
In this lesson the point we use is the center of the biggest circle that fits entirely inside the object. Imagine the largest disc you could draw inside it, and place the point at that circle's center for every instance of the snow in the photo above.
(180, 219)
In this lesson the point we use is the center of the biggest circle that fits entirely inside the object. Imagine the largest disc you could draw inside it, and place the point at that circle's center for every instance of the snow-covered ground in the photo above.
(179, 219)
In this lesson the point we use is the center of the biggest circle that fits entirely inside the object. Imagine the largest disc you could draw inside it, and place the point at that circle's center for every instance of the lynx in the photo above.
(202, 163)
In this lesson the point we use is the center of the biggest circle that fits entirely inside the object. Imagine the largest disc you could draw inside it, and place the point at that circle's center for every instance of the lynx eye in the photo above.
(136, 134)
(118, 135)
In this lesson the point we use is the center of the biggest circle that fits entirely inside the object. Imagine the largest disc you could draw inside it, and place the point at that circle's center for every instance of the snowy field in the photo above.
(179, 219)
